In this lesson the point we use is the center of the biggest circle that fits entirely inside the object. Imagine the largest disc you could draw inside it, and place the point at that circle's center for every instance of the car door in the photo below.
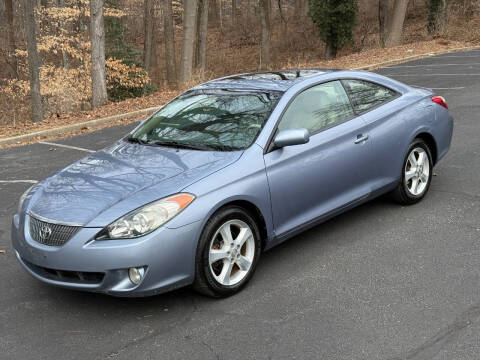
(385, 119)
(312, 180)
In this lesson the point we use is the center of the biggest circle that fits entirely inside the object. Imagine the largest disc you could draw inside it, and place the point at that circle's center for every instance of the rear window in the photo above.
(366, 95)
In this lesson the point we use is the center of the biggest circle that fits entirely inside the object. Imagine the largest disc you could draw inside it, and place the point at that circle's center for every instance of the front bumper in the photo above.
(167, 255)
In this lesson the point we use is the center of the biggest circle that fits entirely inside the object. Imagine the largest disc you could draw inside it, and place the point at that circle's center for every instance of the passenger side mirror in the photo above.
(289, 137)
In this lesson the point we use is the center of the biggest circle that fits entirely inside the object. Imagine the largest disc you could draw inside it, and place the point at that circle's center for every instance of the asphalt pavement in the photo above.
(381, 281)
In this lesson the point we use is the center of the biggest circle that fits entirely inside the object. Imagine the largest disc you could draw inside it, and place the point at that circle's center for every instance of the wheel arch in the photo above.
(431, 143)
(253, 210)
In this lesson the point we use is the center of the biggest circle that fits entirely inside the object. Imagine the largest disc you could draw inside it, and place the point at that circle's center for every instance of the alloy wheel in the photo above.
(231, 252)
(417, 171)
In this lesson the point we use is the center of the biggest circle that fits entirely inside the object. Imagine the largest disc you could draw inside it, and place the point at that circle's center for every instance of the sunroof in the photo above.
(280, 75)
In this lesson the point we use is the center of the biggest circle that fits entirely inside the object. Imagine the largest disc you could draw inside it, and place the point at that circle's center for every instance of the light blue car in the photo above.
(227, 170)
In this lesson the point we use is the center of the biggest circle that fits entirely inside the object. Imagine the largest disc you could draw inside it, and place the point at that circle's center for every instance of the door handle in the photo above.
(361, 138)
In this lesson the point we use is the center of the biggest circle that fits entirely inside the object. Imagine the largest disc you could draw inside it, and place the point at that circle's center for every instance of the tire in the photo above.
(407, 193)
(221, 269)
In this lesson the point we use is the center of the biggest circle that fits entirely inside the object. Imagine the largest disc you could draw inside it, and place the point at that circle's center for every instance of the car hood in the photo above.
(83, 190)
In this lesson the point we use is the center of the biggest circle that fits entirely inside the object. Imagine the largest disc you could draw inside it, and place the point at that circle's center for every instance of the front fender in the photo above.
(245, 180)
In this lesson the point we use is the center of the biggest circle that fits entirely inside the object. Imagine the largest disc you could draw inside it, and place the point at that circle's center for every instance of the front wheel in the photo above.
(416, 174)
(227, 253)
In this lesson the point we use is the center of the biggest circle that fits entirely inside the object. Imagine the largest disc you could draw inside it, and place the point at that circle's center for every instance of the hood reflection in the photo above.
(84, 189)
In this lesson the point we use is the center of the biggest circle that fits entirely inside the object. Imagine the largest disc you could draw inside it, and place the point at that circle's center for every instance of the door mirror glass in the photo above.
(289, 137)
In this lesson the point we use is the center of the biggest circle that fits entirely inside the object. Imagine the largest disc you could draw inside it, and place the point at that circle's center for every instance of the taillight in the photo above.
(440, 100)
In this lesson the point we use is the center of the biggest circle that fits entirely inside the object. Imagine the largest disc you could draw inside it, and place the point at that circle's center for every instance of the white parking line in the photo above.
(458, 56)
(432, 65)
(393, 75)
(448, 88)
(18, 181)
(66, 146)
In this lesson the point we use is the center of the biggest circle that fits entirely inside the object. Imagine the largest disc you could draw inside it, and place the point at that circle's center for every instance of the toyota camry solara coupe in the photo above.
(226, 170)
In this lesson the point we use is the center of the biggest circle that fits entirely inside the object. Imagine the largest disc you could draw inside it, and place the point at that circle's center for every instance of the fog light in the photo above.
(135, 275)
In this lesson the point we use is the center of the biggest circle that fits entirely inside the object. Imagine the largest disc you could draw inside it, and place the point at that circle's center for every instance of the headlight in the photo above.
(147, 218)
(22, 199)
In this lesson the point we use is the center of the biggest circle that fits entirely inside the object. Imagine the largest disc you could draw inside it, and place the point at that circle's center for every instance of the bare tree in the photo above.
(301, 8)
(395, 24)
(266, 33)
(220, 12)
(234, 11)
(188, 43)
(11, 46)
(65, 61)
(437, 17)
(97, 33)
(33, 61)
(170, 57)
(214, 13)
(383, 20)
(148, 43)
(202, 36)
(283, 19)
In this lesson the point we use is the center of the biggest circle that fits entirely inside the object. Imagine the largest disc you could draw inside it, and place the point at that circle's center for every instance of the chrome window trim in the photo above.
(56, 222)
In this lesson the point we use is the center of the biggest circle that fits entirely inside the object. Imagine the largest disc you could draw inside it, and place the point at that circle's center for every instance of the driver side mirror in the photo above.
(289, 137)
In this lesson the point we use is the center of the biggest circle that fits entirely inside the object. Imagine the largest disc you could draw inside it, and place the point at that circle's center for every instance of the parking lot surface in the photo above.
(378, 282)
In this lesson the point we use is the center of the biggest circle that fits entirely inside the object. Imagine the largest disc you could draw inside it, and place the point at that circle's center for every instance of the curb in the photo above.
(74, 127)
(110, 119)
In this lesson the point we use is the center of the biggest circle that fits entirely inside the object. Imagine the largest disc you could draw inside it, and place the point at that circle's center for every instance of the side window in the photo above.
(366, 95)
(317, 108)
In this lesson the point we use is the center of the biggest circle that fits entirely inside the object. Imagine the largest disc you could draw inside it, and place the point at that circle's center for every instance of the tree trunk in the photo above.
(301, 8)
(383, 20)
(330, 51)
(11, 46)
(220, 12)
(265, 36)
(234, 11)
(297, 10)
(467, 9)
(65, 62)
(169, 34)
(202, 36)
(97, 33)
(395, 25)
(196, 50)
(33, 61)
(284, 28)
(214, 13)
(148, 43)
(437, 17)
(188, 43)
(306, 8)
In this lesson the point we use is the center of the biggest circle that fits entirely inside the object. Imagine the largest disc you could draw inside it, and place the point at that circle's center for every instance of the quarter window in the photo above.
(366, 95)
(317, 108)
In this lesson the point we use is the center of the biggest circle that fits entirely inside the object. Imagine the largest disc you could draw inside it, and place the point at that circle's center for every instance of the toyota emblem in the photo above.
(45, 232)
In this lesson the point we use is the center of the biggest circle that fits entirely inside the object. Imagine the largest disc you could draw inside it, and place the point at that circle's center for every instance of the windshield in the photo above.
(226, 120)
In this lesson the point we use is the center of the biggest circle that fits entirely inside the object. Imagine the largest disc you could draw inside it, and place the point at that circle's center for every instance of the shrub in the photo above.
(126, 81)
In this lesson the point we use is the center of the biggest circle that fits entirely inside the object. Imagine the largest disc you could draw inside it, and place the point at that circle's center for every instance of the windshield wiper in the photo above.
(223, 147)
(179, 145)
(135, 140)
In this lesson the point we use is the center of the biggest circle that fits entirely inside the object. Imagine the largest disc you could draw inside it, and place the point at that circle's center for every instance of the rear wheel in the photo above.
(227, 253)
(416, 174)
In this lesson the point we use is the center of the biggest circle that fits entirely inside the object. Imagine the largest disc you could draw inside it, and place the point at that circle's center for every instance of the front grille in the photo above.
(51, 234)
(77, 277)
(74, 276)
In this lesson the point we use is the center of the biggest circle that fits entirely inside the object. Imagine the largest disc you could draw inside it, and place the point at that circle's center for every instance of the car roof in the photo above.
(276, 80)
